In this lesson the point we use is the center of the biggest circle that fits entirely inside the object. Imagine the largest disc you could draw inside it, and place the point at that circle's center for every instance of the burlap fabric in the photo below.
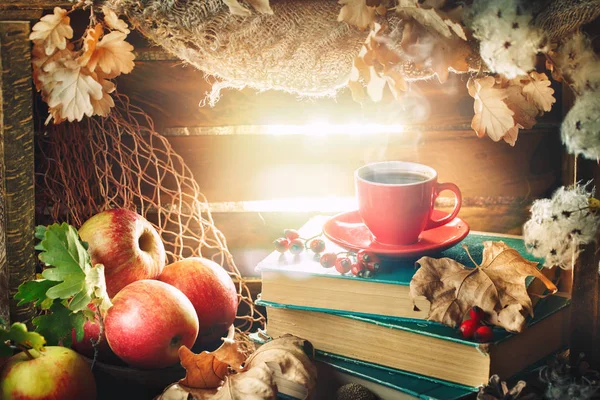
(300, 49)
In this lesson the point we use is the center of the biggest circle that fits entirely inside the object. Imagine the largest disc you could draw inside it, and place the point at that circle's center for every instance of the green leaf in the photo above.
(35, 292)
(72, 268)
(40, 232)
(2, 323)
(18, 335)
(57, 325)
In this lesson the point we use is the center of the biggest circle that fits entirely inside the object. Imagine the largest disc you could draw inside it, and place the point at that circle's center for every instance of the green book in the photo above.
(428, 349)
(300, 280)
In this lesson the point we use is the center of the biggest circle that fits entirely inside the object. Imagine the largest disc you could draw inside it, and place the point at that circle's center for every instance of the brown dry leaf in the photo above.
(113, 22)
(72, 89)
(255, 384)
(90, 41)
(357, 13)
(492, 115)
(287, 356)
(524, 111)
(102, 107)
(539, 92)
(497, 286)
(207, 370)
(53, 30)
(429, 17)
(235, 8)
(113, 55)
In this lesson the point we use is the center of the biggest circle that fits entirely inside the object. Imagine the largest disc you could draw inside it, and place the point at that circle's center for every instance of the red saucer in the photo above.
(348, 230)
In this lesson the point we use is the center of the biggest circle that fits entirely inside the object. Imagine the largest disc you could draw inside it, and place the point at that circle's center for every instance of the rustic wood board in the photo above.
(171, 92)
(258, 167)
(18, 158)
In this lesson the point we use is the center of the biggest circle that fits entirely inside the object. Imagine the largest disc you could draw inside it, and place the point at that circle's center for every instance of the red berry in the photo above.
(468, 328)
(357, 269)
(367, 257)
(291, 234)
(373, 266)
(296, 246)
(317, 245)
(476, 314)
(484, 334)
(281, 245)
(343, 265)
(328, 260)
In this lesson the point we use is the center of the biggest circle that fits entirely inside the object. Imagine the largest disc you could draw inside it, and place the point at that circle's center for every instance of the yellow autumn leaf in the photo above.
(539, 92)
(52, 31)
(357, 13)
(113, 22)
(73, 89)
(428, 17)
(90, 41)
(113, 55)
(102, 107)
(492, 115)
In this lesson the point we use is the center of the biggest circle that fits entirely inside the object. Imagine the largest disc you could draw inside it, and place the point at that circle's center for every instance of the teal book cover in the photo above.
(543, 309)
(416, 386)
(394, 271)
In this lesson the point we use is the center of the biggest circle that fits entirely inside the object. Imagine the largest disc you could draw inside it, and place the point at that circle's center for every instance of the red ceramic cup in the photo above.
(396, 198)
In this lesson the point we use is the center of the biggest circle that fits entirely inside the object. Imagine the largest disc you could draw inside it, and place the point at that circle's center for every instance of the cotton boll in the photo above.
(580, 129)
(577, 61)
(558, 227)
(508, 41)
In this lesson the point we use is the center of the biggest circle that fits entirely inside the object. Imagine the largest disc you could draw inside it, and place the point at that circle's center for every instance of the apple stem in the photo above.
(26, 351)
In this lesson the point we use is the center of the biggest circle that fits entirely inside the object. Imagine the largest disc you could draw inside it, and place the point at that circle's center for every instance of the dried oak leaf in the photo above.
(72, 89)
(207, 370)
(90, 41)
(113, 22)
(287, 357)
(492, 115)
(52, 31)
(524, 111)
(113, 55)
(497, 286)
(102, 107)
(255, 384)
(357, 13)
(539, 92)
(428, 17)
(235, 8)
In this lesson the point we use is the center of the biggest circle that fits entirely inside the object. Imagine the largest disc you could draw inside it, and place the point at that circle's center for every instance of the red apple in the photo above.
(210, 289)
(127, 245)
(91, 330)
(57, 373)
(148, 322)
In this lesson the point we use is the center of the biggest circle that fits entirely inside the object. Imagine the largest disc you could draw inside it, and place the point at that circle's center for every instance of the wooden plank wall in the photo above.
(237, 159)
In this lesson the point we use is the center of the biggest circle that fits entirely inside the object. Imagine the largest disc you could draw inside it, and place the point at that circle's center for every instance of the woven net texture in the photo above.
(300, 49)
(121, 161)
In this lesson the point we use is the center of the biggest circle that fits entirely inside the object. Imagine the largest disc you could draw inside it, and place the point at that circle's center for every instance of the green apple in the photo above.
(56, 373)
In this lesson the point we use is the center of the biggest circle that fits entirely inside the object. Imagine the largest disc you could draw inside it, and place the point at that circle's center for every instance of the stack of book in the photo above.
(372, 332)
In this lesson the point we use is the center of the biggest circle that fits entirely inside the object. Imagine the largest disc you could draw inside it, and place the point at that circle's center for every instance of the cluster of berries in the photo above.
(474, 327)
(364, 264)
(293, 243)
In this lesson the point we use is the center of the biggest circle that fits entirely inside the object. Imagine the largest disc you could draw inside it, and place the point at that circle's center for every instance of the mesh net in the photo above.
(300, 49)
(121, 161)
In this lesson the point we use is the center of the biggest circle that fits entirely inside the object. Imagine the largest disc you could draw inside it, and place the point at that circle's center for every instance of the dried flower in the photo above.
(578, 63)
(559, 226)
(580, 129)
(508, 41)
(564, 381)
